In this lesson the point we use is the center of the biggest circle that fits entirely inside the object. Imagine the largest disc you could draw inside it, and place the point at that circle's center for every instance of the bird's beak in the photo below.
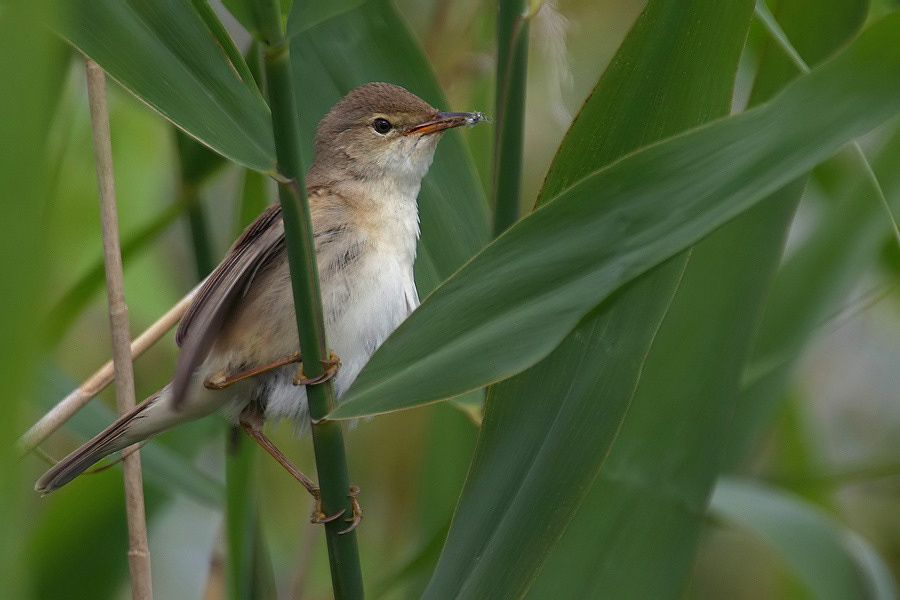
(445, 120)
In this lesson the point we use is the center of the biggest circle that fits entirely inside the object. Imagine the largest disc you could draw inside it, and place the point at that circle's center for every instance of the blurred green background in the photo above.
(831, 443)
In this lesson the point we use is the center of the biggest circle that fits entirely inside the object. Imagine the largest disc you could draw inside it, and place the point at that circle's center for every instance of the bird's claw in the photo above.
(357, 515)
(319, 517)
(332, 364)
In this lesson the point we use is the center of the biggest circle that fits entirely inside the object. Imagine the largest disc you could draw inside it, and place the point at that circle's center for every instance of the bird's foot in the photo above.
(318, 516)
(332, 364)
(357, 515)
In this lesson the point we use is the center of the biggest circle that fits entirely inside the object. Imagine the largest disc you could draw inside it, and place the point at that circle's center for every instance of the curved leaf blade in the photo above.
(515, 301)
(162, 52)
(809, 284)
(647, 504)
(808, 288)
(831, 563)
(548, 430)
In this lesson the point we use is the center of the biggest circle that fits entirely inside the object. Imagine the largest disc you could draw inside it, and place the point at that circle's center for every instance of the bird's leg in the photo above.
(220, 379)
(332, 364)
(254, 430)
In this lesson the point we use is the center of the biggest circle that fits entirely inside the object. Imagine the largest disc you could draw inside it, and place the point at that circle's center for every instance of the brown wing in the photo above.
(217, 296)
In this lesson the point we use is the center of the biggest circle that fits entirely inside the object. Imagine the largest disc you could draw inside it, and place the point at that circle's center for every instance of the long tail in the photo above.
(152, 416)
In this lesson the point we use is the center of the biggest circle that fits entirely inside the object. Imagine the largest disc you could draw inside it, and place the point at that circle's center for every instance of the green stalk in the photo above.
(328, 442)
(239, 499)
(196, 164)
(254, 191)
(512, 68)
(254, 196)
(203, 257)
(239, 514)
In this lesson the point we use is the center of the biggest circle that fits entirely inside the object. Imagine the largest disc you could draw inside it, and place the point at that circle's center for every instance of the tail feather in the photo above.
(152, 416)
(113, 438)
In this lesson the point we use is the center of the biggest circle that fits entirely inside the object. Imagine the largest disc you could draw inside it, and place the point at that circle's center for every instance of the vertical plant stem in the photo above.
(512, 68)
(328, 441)
(254, 191)
(203, 254)
(138, 551)
(239, 509)
(204, 262)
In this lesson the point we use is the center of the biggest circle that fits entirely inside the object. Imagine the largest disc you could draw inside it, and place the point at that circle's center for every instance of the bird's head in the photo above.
(381, 130)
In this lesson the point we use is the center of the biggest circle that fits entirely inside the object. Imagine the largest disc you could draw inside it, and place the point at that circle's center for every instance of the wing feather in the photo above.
(203, 320)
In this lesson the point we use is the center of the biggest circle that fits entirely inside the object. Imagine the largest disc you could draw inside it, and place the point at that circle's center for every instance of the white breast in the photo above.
(380, 296)
(363, 303)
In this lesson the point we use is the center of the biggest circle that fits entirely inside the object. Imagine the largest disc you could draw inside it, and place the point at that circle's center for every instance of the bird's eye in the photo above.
(381, 126)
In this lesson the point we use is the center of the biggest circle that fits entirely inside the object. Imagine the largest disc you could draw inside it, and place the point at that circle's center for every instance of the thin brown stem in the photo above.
(96, 383)
(138, 550)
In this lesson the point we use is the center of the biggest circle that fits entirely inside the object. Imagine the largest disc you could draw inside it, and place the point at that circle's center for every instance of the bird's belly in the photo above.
(363, 304)
(365, 309)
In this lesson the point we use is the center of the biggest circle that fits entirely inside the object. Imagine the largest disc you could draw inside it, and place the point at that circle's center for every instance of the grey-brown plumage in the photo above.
(372, 150)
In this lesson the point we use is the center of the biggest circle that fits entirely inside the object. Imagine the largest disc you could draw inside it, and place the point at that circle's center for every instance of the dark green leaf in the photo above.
(513, 26)
(808, 290)
(517, 299)
(305, 15)
(809, 284)
(647, 504)
(161, 51)
(547, 431)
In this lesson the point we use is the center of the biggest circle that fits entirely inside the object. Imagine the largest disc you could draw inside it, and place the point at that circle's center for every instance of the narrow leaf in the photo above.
(831, 564)
(808, 285)
(808, 290)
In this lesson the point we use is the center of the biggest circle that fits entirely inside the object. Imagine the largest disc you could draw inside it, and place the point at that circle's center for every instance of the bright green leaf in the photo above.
(77, 297)
(32, 68)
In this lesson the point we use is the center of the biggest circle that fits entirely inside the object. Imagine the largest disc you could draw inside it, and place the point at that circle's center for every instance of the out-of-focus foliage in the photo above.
(592, 470)
(24, 129)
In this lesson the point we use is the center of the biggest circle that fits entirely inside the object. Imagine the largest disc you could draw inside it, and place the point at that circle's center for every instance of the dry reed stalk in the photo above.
(138, 551)
(96, 383)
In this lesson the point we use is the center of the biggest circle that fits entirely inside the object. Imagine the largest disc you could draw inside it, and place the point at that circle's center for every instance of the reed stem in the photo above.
(138, 550)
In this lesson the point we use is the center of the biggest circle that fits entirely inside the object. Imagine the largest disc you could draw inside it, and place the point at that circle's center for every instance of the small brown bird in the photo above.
(239, 337)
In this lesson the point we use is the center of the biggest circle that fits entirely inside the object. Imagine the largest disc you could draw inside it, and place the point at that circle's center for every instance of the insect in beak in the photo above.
(446, 120)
